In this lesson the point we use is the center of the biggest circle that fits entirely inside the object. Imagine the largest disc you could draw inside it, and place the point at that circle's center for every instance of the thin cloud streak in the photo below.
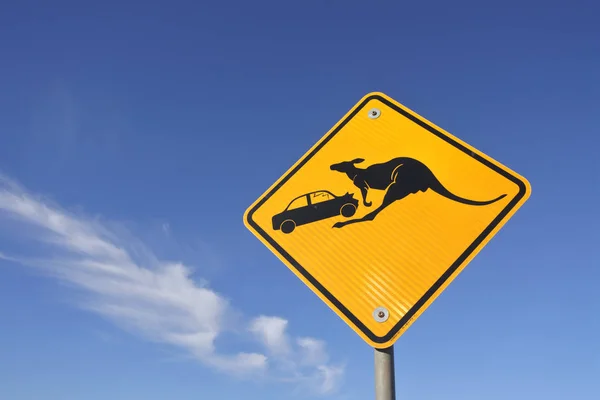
(155, 299)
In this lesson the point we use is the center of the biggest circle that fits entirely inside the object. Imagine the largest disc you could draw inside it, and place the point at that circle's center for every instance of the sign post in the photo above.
(385, 382)
(380, 215)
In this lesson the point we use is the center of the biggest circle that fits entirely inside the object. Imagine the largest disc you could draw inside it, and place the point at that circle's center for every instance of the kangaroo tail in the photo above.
(440, 189)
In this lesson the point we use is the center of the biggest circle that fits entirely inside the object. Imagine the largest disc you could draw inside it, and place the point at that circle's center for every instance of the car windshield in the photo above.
(318, 197)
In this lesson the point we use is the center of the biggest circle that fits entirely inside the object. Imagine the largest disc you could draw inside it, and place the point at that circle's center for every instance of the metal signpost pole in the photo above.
(385, 383)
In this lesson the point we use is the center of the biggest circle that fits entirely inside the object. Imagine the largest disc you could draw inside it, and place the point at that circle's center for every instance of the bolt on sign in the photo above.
(382, 213)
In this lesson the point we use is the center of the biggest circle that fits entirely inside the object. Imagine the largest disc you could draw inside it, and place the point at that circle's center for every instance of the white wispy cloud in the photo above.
(302, 354)
(155, 299)
(271, 331)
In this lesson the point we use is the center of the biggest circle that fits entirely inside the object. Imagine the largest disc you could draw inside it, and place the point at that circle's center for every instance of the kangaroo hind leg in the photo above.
(364, 191)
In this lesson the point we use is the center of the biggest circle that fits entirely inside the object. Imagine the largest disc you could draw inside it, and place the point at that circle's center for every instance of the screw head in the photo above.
(374, 113)
(381, 314)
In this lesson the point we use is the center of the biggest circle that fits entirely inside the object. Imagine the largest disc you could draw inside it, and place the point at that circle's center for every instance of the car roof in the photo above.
(306, 194)
(322, 191)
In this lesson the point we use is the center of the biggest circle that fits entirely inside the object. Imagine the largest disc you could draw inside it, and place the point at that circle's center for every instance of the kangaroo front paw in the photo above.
(367, 203)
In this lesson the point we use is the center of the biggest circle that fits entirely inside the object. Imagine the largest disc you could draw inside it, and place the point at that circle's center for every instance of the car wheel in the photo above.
(288, 226)
(348, 210)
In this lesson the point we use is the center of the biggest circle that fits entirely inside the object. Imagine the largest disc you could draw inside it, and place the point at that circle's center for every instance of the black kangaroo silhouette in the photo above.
(399, 177)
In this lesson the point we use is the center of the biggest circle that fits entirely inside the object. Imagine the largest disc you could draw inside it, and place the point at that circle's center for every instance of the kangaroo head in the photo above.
(346, 166)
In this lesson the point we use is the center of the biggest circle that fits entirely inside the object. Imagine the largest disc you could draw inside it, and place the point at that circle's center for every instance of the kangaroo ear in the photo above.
(357, 160)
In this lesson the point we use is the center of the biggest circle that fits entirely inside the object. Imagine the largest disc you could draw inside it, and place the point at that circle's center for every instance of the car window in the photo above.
(298, 203)
(319, 197)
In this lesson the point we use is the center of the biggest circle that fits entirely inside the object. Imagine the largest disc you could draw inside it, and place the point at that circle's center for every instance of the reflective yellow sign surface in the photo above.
(381, 214)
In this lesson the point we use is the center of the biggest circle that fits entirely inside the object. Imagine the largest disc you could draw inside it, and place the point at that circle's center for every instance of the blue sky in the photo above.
(133, 135)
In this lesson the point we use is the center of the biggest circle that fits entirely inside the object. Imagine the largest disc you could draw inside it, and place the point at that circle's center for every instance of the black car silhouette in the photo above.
(312, 207)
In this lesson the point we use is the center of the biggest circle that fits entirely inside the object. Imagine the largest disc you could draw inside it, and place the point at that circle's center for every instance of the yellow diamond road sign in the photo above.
(382, 213)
